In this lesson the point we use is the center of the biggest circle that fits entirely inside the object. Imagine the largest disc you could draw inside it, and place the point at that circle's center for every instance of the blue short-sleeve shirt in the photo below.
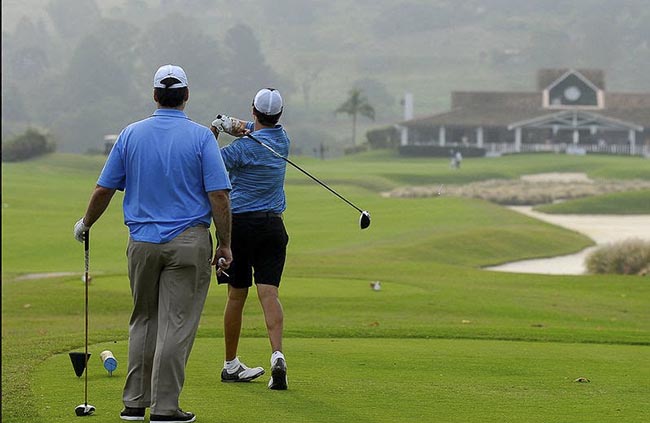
(165, 164)
(256, 174)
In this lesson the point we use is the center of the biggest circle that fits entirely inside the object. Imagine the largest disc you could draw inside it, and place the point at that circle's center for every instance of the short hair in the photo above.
(266, 120)
(170, 97)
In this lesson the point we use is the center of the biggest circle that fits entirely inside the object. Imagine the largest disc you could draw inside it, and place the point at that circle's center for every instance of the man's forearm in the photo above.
(221, 215)
(99, 201)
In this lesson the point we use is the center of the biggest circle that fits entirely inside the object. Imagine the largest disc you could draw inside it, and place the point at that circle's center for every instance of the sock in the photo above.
(275, 356)
(232, 365)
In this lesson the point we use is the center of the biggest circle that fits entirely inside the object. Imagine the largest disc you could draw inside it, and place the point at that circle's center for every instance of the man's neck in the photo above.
(257, 126)
(180, 108)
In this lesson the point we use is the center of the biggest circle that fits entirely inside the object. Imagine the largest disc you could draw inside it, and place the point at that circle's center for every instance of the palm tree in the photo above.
(356, 104)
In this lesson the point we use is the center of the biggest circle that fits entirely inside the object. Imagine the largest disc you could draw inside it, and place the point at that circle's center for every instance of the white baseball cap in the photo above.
(268, 101)
(170, 71)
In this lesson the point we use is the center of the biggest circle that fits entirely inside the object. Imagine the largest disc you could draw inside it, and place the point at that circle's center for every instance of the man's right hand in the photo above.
(222, 259)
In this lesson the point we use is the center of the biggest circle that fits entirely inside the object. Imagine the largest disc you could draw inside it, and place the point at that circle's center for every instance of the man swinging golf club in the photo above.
(259, 237)
(175, 184)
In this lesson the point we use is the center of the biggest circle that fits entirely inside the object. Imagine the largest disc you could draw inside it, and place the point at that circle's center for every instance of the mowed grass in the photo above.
(386, 380)
(630, 202)
(442, 341)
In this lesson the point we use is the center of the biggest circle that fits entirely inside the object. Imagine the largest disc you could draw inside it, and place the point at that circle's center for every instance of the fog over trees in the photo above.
(81, 69)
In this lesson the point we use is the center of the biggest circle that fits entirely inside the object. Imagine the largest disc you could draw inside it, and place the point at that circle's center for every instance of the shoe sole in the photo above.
(173, 421)
(247, 379)
(132, 418)
(279, 375)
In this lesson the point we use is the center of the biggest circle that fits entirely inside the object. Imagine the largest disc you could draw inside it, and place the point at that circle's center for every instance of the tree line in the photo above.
(90, 75)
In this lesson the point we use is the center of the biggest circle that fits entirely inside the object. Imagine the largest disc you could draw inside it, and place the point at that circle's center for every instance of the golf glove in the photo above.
(79, 229)
(223, 123)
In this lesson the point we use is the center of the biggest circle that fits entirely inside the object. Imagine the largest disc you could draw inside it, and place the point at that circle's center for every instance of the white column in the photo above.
(517, 140)
(408, 106)
(404, 135)
(479, 137)
(576, 137)
(632, 137)
(441, 135)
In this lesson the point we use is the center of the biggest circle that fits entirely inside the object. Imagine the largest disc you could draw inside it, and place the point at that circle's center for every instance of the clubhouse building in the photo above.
(570, 112)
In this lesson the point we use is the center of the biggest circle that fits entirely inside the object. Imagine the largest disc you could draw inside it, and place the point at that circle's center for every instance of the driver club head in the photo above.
(84, 410)
(364, 219)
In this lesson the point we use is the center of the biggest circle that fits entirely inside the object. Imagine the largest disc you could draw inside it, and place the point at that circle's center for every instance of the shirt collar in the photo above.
(275, 128)
(170, 112)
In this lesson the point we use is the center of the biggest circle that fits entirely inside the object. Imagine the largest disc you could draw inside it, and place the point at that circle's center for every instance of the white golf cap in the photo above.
(268, 101)
(170, 71)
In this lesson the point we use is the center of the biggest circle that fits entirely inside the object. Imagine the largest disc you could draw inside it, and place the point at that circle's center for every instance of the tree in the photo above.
(31, 143)
(377, 94)
(73, 18)
(246, 69)
(186, 44)
(356, 104)
(92, 74)
(25, 54)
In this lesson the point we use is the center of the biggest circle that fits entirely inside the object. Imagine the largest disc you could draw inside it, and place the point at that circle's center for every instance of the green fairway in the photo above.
(443, 341)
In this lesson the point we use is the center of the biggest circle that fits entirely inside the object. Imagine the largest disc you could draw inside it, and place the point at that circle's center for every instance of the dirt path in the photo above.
(603, 229)
(32, 276)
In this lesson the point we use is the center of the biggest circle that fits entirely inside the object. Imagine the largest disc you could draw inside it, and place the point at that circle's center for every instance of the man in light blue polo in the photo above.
(175, 184)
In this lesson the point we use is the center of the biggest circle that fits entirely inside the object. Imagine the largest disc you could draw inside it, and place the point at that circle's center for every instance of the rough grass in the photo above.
(525, 192)
(636, 201)
(629, 257)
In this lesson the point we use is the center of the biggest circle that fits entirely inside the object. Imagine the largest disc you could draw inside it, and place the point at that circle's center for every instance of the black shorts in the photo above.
(259, 245)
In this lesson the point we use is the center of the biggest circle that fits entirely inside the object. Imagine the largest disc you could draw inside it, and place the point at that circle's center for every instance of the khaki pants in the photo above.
(169, 284)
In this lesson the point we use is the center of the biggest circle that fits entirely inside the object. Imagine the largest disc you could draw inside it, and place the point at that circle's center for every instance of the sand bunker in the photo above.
(603, 229)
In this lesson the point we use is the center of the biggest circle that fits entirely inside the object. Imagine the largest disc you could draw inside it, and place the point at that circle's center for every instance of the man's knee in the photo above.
(267, 292)
(237, 294)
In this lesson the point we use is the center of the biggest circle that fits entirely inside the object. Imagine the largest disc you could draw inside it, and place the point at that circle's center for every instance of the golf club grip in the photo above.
(303, 171)
(87, 240)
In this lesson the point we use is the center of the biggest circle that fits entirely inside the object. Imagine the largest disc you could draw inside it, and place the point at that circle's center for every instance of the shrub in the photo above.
(383, 138)
(31, 143)
(629, 257)
(356, 149)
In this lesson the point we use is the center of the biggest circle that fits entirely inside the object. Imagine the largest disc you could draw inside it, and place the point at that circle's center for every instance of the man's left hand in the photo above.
(222, 123)
(80, 229)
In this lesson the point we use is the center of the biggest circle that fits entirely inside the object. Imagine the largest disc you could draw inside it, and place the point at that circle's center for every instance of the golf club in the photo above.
(364, 219)
(85, 409)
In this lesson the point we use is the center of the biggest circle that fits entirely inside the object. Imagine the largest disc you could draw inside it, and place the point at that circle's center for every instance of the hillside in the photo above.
(315, 52)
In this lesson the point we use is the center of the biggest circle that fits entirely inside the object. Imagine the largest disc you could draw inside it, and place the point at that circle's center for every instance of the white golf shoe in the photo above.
(242, 374)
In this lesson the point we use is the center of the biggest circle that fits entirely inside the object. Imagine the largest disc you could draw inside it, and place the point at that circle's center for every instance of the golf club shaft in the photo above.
(303, 171)
(86, 260)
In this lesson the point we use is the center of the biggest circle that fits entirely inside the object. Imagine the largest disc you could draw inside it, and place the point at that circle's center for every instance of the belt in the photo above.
(256, 215)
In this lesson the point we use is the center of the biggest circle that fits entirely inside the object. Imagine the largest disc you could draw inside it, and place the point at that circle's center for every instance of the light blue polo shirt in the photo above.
(256, 174)
(166, 164)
